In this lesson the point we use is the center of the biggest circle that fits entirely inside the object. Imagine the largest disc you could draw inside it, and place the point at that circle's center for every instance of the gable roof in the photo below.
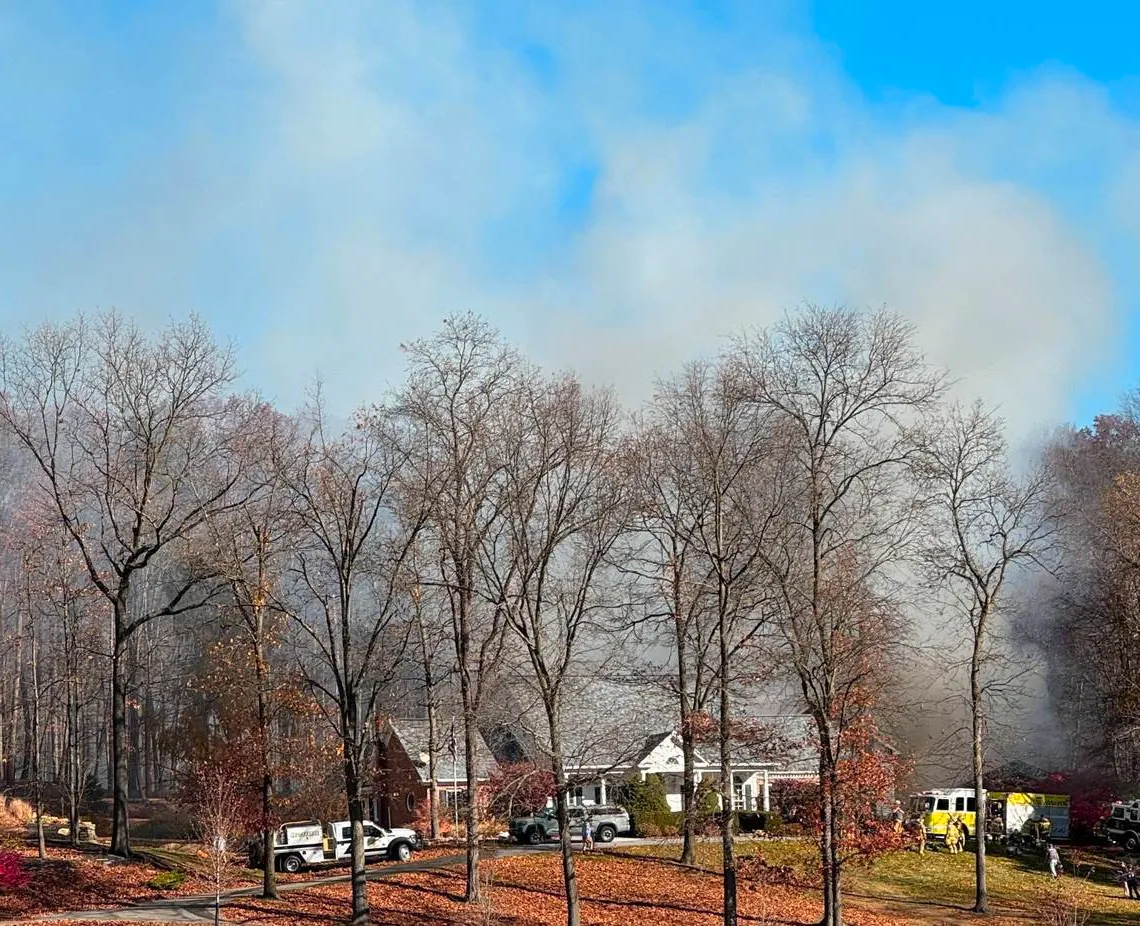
(413, 738)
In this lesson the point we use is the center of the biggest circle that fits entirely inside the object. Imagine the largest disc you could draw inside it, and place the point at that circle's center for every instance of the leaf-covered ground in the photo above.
(619, 890)
(70, 880)
(527, 891)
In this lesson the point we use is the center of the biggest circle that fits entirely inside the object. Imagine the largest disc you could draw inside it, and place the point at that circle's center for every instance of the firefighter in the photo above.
(919, 831)
(1037, 828)
(954, 836)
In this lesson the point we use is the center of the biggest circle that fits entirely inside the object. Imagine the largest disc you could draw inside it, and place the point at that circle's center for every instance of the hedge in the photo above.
(656, 822)
(660, 823)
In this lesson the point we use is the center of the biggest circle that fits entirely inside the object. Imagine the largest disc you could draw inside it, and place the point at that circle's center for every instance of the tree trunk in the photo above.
(19, 706)
(728, 811)
(981, 896)
(688, 747)
(41, 848)
(74, 778)
(569, 876)
(828, 851)
(689, 796)
(356, 819)
(268, 862)
(470, 755)
(120, 827)
(433, 773)
(835, 860)
(429, 696)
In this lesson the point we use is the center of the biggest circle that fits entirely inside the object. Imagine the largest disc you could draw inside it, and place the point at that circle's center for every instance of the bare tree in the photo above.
(729, 507)
(455, 401)
(663, 559)
(431, 631)
(842, 389)
(247, 548)
(357, 530)
(985, 525)
(218, 822)
(135, 444)
(564, 506)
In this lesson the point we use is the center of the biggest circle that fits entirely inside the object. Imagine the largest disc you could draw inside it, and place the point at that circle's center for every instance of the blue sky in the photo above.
(617, 186)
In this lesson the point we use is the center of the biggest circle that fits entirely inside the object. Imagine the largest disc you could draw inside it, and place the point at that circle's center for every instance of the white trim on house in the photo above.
(752, 779)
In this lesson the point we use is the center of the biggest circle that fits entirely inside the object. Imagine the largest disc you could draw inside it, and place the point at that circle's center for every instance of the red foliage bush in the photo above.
(518, 788)
(1089, 798)
(12, 873)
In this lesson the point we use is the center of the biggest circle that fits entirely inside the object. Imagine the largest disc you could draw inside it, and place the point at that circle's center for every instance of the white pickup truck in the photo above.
(310, 843)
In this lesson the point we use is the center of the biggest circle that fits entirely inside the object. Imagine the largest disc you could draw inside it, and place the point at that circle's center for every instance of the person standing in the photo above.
(919, 831)
(1131, 885)
(588, 834)
(898, 816)
(1053, 857)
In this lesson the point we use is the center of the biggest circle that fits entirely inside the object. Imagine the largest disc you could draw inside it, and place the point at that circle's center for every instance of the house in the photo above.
(403, 770)
(754, 770)
(615, 729)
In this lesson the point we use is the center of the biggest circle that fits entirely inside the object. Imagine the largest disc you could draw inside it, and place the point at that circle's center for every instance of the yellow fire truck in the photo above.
(1007, 812)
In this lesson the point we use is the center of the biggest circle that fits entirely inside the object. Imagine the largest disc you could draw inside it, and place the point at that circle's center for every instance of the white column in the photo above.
(767, 793)
(602, 782)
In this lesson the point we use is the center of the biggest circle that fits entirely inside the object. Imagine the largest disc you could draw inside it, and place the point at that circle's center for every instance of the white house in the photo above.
(662, 755)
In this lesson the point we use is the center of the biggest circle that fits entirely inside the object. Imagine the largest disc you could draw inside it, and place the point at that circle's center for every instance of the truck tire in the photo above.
(1132, 842)
(606, 832)
(400, 851)
(292, 864)
(535, 836)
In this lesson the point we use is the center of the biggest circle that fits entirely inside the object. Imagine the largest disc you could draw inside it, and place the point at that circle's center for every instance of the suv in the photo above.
(609, 820)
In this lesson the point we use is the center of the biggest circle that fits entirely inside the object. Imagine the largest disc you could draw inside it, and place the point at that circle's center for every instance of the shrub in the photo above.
(760, 821)
(166, 880)
(12, 873)
(641, 797)
(656, 823)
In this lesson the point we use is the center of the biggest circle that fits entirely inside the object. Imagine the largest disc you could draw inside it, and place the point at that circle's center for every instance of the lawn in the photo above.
(937, 887)
(634, 886)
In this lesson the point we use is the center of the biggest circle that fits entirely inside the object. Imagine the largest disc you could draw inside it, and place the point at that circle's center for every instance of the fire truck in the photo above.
(1122, 825)
(1008, 813)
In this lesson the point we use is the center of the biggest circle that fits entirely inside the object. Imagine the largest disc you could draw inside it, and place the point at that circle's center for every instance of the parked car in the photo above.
(609, 821)
(309, 843)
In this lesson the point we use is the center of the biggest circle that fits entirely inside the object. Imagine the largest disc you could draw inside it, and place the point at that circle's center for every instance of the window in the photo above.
(371, 831)
(741, 794)
(959, 804)
(598, 794)
(971, 807)
(943, 803)
(410, 802)
(577, 797)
